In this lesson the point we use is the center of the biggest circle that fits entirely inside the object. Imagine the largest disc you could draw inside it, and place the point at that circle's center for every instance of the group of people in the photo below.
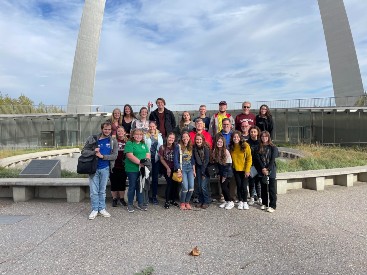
(142, 148)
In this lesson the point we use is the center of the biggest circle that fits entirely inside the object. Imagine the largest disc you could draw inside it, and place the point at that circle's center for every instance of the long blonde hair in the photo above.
(113, 118)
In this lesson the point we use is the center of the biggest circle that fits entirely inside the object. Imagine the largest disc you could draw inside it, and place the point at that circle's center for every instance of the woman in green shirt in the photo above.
(135, 150)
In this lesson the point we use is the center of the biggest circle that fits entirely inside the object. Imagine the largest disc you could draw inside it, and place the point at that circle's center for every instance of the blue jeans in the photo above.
(187, 185)
(97, 188)
(134, 185)
(155, 173)
(203, 190)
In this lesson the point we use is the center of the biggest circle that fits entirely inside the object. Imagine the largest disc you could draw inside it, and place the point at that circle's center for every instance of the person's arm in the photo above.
(212, 126)
(176, 158)
(133, 158)
(248, 160)
(151, 117)
(114, 153)
(274, 154)
(89, 146)
(270, 126)
(206, 160)
(173, 120)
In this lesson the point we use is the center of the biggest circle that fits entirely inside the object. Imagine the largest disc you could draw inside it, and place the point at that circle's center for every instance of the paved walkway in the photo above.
(310, 233)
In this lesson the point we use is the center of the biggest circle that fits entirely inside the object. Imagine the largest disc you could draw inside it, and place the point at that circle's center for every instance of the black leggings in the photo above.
(272, 193)
(118, 179)
(225, 188)
(242, 183)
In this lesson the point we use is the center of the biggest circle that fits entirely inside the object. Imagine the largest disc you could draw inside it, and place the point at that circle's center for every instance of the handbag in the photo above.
(87, 165)
(213, 170)
(175, 175)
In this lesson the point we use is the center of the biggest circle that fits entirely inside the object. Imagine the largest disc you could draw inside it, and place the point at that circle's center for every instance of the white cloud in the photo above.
(185, 51)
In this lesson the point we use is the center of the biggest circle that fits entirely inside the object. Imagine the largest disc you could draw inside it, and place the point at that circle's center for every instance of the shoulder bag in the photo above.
(177, 176)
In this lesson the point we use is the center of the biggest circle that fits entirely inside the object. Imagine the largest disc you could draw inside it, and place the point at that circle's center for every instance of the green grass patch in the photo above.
(324, 157)
(14, 173)
(5, 153)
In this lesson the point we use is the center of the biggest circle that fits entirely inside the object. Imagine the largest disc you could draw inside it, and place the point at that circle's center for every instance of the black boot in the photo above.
(114, 202)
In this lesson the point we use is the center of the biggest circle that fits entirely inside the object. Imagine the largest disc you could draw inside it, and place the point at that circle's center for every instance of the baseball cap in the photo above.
(223, 103)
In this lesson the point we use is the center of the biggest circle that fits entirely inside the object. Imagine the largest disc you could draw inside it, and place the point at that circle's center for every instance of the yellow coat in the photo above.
(242, 160)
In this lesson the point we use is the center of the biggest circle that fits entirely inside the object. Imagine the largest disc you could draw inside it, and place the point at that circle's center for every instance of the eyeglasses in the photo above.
(246, 107)
(226, 124)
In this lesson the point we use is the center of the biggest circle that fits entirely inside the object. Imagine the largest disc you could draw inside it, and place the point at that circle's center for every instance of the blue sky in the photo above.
(199, 51)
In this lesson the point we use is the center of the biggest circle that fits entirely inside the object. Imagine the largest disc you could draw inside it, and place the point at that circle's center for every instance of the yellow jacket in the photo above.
(242, 161)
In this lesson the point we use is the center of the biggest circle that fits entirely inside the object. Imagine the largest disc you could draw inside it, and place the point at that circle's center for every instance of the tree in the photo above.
(24, 105)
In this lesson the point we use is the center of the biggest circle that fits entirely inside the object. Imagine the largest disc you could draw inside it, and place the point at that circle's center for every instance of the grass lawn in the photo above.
(324, 157)
(319, 157)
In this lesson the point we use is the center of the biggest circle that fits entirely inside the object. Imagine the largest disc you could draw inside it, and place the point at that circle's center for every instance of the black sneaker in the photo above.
(166, 205)
(175, 204)
(122, 202)
(114, 203)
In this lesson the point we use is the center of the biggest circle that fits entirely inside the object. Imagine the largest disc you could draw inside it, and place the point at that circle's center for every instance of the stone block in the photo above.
(75, 193)
(362, 176)
(281, 186)
(344, 180)
(22, 193)
(316, 183)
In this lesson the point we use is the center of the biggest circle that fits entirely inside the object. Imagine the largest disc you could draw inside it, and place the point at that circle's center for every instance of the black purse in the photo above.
(87, 165)
(213, 170)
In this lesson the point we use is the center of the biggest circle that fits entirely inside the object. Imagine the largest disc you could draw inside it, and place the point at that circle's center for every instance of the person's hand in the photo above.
(194, 174)
(265, 171)
(169, 172)
(247, 174)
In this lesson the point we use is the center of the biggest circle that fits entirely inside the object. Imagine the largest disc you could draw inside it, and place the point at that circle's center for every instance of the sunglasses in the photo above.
(246, 107)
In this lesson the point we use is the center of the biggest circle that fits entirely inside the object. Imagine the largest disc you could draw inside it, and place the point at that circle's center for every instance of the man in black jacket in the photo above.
(164, 118)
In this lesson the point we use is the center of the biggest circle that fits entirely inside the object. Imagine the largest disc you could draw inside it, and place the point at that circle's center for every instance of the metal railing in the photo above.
(326, 102)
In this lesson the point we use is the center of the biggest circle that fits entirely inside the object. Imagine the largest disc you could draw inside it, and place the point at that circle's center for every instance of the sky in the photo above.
(201, 51)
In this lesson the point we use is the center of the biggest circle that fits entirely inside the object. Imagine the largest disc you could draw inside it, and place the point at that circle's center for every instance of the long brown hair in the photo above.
(131, 111)
(242, 141)
(257, 129)
(182, 121)
(262, 145)
(219, 154)
(205, 144)
(268, 113)
(189, 144)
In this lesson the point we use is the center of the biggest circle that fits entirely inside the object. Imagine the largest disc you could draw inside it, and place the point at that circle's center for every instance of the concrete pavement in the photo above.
(310, 233)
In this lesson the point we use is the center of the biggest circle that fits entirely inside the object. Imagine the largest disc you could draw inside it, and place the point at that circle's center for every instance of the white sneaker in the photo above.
(252, 201)
(262, 207)
(240, 205)
(230, 205)
(270, 210)
(104, 213)
(93, 215)
(260, 201)
(223, 205)
(245, 206)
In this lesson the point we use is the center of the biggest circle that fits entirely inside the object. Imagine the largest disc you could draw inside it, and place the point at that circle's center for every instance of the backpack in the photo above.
(87, 165)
